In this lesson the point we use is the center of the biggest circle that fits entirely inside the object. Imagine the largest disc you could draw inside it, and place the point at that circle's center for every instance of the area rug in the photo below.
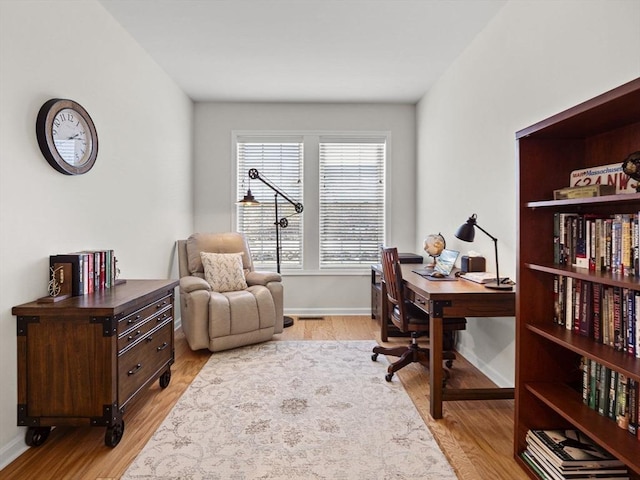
(293, 410)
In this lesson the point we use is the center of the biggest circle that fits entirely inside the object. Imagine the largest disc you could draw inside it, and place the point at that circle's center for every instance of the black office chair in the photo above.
(410, 319)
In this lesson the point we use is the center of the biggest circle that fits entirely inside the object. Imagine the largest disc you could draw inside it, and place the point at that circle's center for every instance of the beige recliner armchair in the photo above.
(220, 320)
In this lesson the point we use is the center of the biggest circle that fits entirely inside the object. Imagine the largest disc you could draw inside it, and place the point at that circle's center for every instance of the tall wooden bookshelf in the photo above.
(601, 131)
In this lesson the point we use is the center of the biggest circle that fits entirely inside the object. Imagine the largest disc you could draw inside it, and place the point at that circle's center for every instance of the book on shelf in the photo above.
(607, 314)
(546, 470)
(612, 394)
(571, 449)
(583, 191)
(608, 243)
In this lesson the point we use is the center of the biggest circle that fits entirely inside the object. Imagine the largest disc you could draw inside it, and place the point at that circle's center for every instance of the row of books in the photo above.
(607, 314)
(600, 243)
(612, 394)
(90, 270)
(569, 454)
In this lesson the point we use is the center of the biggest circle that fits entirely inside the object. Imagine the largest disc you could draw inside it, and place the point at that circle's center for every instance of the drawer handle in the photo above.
(149, 338)
(135, 370)
(161, 317)
(162, 347)
(421, 301)
(160, 305)
(131, 337)
(133, 320)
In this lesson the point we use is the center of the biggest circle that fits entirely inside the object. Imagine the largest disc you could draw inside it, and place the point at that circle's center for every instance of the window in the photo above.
(351, 202)
(342, 226)
(280, 162)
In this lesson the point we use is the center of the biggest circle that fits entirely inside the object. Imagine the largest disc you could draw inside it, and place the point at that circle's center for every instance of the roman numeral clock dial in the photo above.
(67, 136)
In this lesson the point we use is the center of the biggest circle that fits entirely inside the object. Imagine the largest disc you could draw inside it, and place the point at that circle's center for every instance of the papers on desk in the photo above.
(481, 277)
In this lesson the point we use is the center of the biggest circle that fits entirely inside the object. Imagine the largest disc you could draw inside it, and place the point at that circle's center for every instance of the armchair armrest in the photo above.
(262, 278)
(191, 284)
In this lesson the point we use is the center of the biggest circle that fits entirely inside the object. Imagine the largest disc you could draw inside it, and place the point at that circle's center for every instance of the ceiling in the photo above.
(304, 50)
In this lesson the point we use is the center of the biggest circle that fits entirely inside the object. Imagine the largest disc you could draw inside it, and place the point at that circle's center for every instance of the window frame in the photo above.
(311, 201)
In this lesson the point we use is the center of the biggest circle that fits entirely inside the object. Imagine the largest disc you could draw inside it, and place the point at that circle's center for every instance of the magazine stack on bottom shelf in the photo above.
(569, 454)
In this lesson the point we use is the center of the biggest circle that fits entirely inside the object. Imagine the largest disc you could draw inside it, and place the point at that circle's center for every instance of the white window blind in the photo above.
(351, 201)
(281, 162)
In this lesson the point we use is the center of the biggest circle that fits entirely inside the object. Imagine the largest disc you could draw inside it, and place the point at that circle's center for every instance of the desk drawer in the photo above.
(418, 300)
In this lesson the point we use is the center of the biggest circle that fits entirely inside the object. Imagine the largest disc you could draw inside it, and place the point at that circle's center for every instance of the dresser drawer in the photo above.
(139, 329)
(141, 362)
(139, 316)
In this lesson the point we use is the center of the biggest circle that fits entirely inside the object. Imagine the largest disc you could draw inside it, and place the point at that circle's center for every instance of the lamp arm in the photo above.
(254, 174)
(485, 232)
(495, 246)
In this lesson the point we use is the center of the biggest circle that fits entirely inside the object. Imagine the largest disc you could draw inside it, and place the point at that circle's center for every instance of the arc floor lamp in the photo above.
(279, 223)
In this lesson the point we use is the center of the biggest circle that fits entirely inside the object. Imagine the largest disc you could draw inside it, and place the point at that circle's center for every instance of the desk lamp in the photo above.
(467, 233)
(249, 200)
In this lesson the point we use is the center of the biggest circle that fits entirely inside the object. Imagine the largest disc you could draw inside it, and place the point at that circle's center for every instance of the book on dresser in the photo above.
(91, 270)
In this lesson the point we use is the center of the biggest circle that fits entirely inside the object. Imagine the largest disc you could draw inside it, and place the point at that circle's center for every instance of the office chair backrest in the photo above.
(393, 278)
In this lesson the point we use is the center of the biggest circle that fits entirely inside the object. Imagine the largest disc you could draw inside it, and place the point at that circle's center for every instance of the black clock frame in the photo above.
(44, 133)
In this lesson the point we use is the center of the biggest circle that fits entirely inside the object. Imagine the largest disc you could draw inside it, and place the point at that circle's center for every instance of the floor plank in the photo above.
(475, 436)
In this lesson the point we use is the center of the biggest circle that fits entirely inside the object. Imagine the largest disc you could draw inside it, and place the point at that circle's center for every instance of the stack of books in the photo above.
(84, 272)
(569, 454)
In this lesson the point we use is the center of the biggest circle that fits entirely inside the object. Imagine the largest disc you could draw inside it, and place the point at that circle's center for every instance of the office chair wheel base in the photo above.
(374, 357)
(388, 377)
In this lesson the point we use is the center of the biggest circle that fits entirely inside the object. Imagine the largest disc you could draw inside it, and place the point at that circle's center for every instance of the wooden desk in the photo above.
(459, 298)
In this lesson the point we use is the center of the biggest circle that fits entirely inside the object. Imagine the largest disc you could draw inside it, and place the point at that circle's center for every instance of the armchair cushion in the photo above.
(224, 271)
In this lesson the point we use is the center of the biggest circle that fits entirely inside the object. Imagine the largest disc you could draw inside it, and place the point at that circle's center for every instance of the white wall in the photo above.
(137, 197)
(533, 60)
(215, 196)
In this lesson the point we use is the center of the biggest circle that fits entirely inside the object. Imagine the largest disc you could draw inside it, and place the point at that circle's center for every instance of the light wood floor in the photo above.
(475, 436)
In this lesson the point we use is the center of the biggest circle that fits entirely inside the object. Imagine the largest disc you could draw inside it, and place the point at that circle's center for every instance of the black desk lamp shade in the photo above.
(467, 233)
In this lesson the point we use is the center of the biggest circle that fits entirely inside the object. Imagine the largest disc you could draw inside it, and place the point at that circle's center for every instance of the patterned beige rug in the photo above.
(293, 410)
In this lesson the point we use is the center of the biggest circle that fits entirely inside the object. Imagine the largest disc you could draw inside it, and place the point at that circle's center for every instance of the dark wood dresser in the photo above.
(83, 359)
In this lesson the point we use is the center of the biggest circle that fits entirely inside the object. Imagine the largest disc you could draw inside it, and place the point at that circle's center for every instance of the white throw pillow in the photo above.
(223, 271)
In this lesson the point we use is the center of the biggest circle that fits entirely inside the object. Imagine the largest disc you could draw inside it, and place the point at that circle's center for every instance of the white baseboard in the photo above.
(12, 450)
(486, 369)
(326, 312)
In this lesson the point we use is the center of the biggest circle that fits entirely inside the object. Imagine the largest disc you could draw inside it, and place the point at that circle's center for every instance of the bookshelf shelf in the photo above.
(578, 203)
(568, 404)
(606, 278)
(620, 361)
(548, 395)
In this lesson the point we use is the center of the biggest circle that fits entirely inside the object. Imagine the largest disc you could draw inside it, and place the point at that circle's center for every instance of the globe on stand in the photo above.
(433, 246)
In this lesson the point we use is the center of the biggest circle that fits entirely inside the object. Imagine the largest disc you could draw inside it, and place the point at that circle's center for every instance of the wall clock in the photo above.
(67, 136)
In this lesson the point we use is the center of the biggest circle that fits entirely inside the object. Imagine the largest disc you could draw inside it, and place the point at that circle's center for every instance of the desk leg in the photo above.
(435, 365)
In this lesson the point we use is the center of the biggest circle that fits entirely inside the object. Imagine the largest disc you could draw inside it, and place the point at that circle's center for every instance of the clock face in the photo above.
(71, 137)
(67, 136)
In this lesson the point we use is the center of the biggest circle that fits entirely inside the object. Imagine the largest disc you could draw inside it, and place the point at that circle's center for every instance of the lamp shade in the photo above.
(249, 199)
(467, 232)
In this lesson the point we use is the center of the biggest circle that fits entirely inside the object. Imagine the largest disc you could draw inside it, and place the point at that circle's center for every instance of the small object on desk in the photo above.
(482, 277)
(434, 275)
(410, 258)
(443, 267)
(469, 263)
